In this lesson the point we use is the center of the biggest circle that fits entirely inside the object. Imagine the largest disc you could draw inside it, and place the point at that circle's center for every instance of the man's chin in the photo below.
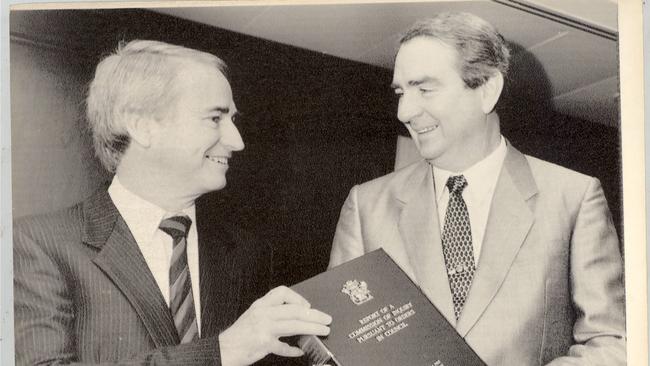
(213, 187)
(431, 154)
(218, 187)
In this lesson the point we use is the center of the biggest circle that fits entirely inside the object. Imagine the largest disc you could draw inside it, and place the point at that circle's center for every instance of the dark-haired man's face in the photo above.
(444, 117)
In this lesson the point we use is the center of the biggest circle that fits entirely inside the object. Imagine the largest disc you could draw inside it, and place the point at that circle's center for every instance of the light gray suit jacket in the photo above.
(549, 281)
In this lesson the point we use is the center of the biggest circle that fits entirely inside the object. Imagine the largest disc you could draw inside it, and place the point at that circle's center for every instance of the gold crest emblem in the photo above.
(358, 291)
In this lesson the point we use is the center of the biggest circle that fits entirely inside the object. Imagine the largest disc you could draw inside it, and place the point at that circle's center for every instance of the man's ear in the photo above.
(139, 129)
(491, 91)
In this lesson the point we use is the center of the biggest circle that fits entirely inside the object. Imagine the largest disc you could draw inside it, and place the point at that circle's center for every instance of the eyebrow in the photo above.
(219, 109)
(225, 110)
(423, 80)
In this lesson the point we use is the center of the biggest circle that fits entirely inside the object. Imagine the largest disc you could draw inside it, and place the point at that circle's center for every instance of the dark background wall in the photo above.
(314, 125)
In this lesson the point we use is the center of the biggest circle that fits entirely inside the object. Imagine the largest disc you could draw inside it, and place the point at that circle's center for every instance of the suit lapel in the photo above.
(121, 260)
(420, 230)
(220, 273)
(509, 222)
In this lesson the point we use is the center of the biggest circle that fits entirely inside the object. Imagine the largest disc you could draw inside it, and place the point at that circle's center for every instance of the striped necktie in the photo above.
(457, 244)
(181, 298)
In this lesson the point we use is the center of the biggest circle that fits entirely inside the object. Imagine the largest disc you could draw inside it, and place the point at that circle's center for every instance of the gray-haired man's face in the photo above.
(193, 145)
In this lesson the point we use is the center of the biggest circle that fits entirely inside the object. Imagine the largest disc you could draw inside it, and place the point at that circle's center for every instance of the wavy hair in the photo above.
(480, 47)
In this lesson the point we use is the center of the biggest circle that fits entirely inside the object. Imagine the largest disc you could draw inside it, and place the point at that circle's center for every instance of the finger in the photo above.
(285, 350)
(298, 312)
(281, 295)
(288, 328)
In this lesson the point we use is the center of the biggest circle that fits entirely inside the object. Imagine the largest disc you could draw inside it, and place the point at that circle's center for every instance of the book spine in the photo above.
(316, 351)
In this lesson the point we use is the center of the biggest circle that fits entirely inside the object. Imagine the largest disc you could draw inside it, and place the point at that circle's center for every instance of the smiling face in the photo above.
(446, 119)
(193, 144)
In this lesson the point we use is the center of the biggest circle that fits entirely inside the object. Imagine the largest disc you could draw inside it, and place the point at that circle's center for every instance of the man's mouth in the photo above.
(426, 129)
(218, 159)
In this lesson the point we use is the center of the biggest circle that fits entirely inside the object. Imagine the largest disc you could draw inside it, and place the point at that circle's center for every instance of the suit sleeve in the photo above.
(597, 286)
(45, 315)
(348, 240)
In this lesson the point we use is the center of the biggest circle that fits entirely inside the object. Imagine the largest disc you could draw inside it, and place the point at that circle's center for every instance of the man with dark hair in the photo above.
(138, 274)
(519, 254)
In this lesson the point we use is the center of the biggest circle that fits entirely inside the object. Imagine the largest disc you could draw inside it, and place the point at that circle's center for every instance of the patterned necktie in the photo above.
(457, 244)
(180, 284)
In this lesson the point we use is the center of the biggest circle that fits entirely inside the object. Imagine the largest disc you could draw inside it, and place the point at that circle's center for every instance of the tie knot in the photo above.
(176, 226)
(456, 184)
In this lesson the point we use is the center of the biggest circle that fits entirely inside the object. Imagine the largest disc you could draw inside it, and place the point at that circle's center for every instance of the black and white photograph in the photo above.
(426, 183)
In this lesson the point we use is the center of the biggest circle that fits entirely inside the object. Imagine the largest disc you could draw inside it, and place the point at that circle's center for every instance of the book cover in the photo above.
(380, 317)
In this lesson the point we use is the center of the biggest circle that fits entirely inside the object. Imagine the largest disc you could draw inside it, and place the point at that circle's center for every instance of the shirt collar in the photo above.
(481, 177)
(141, 216)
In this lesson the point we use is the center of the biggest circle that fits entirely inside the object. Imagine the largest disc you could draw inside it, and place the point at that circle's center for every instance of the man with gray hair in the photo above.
(138, 274)
(519, 254)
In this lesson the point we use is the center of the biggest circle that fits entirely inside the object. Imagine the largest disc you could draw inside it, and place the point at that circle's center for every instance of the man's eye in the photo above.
(216, 119)
(398, 94)
(426, 91)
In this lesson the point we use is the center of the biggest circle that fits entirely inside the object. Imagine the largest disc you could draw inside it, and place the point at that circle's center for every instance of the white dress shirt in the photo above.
(143, 218)
(481, 181)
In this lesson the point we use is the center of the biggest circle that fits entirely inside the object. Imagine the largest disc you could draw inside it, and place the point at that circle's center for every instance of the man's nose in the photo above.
(408, 108)
(231, 137)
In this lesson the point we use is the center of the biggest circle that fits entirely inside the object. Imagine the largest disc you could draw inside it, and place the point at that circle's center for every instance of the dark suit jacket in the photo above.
(84, 294)
(548, 285)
